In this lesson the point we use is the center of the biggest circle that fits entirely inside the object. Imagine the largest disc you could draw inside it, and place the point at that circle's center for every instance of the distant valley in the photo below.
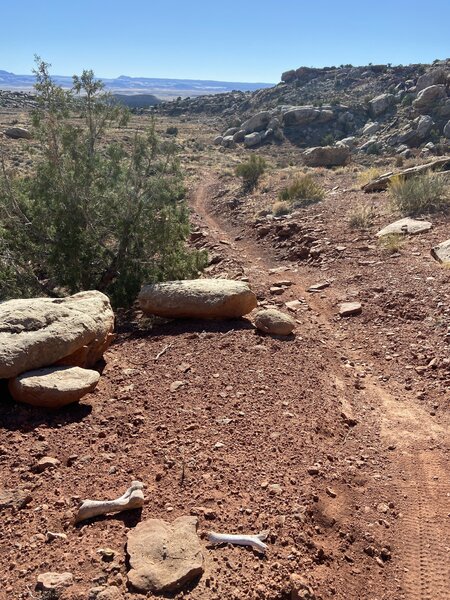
(164, 89)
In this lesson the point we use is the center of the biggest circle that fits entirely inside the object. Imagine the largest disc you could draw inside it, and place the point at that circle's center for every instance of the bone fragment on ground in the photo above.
(256, 541)
(132, 498)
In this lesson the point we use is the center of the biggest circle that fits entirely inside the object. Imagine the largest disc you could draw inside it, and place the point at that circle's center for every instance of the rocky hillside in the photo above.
(372, 109)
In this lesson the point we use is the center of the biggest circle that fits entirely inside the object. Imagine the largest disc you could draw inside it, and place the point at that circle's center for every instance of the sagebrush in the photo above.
(421, 194)
(251, 171)
(302, 191)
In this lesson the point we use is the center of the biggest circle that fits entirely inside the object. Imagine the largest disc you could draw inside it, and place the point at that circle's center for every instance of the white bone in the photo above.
(256, 541)
(133, 498)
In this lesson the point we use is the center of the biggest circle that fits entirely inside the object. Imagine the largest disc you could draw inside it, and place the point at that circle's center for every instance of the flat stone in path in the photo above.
(350, 309)
(164, 556)
(53, 387)
(405, 226)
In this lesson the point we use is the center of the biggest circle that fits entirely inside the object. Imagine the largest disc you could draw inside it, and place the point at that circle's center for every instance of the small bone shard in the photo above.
(256, 541)
(133, 498)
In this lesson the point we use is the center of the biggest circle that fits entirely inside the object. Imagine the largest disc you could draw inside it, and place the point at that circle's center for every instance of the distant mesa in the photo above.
(162, 88)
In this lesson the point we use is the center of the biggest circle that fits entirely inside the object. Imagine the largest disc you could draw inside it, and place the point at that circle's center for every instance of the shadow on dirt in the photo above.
(21, 417)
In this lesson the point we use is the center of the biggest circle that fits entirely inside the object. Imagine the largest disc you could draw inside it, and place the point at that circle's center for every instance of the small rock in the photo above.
(274, 322)
(319, 286)
(48, 582)
(15, 499)
(350, 309)
(110, 593)
(300, 588)
(175, 385)
(47, 462)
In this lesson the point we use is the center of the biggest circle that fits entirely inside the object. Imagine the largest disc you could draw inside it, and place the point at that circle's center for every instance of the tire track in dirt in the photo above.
(420, 463)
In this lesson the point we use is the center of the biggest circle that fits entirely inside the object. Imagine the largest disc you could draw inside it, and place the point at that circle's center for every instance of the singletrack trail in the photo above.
(419, 454)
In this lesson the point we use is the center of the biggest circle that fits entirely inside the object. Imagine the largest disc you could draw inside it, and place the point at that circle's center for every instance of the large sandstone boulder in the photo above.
(381, 103)
(432, 77)
(441, 252)
(300, 115)
(163, 556)
(273, 321)
(253, 139)
(198, 298)
(53, 387)
(405, 226)
(38, 332)
(256, 122)
(17, 133)
(326, 156)
(429, 96)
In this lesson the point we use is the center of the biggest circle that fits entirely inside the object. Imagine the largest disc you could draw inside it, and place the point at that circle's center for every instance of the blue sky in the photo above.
(230, 40)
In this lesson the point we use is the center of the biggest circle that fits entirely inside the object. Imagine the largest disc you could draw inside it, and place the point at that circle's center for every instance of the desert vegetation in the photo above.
(92, 214)
(419, 195)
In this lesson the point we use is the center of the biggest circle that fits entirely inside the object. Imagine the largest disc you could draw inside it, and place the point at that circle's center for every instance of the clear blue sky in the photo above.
(244, 40)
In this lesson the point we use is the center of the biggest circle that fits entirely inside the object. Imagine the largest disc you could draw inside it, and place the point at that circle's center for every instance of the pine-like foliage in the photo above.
(93, 214)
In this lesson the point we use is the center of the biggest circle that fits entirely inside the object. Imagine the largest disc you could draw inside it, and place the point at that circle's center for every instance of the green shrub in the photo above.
(92, 214)
(302, 192)
(251, 171)
(421, 194)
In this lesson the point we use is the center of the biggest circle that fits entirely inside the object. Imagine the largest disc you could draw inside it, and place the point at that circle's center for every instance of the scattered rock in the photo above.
(15, 499)
(48, 582)
(37, 332)
(350, 309)
(441, 252)
(317, 287)
(300, 588)
(47, 462)
(326, 156)
(198, 298)
(110, 593)
(53, 387)
(274, 322)
(164, 557)
(405, 226)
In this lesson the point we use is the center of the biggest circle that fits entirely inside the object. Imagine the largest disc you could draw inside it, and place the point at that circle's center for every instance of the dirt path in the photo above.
(417, 448)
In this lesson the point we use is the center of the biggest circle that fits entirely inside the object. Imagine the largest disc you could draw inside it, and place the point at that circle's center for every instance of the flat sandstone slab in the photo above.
(53, 387)
(198, 298)
(164, 556)
(441, 252)
(350, 309)
(405, 226)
